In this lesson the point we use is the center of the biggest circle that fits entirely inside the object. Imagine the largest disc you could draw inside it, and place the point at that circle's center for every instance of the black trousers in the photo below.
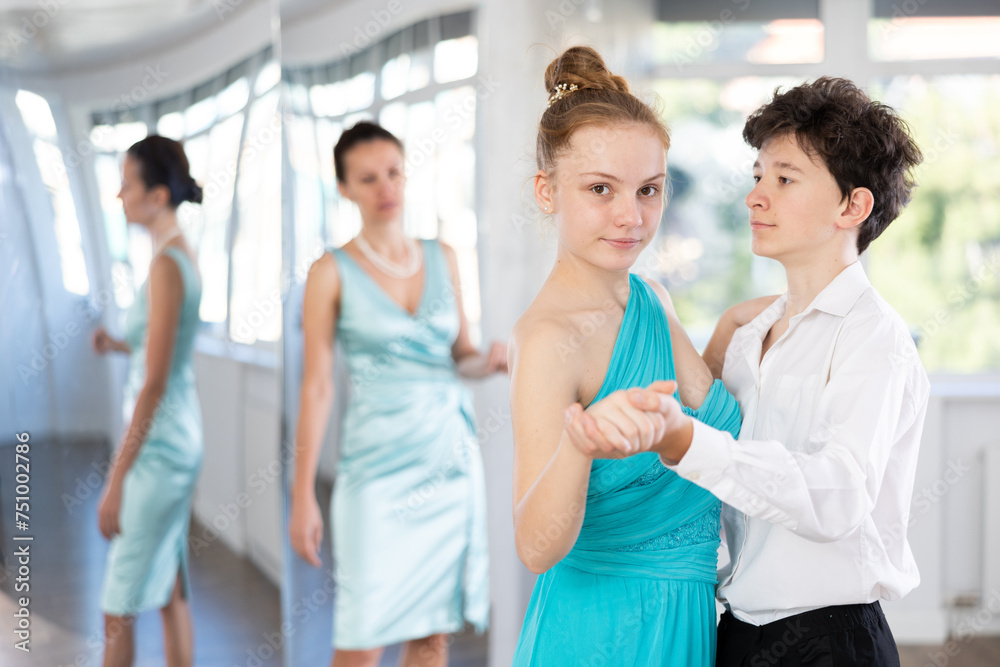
(855, 635)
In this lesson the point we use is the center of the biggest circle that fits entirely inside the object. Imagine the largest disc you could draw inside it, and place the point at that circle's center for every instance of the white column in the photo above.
(514, 260)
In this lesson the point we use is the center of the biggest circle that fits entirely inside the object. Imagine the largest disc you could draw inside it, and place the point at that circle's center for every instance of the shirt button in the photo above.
(694, 477)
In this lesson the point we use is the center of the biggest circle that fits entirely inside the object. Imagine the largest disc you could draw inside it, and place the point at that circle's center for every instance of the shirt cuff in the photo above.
(707, 458)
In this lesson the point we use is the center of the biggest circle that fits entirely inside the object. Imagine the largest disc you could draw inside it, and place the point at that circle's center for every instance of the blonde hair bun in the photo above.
(583, 67)
(583, 91)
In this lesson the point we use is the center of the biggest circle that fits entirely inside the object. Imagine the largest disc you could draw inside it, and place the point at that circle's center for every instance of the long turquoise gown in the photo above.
(408, 506)
(638, 587)
(146, 557)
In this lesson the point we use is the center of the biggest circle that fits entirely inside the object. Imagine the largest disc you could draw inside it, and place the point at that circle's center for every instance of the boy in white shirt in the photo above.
(817, 489)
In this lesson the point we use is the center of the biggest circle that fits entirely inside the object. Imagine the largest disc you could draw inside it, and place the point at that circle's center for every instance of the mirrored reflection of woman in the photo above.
(408, 508)
(146, 504)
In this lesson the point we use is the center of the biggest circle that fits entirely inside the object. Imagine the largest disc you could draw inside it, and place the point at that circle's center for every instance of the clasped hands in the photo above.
(632, 421)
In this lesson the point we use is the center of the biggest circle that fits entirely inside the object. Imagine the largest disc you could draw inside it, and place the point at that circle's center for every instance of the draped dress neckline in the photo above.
(385, 294)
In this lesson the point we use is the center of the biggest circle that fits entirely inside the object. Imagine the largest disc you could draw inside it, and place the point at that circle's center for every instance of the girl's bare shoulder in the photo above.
(541, 324)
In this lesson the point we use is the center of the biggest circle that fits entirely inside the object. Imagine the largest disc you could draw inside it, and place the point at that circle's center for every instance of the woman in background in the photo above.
(408, 507)
(146, 504)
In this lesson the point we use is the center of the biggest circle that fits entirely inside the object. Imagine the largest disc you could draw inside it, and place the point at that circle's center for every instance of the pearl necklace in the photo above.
(389, 267)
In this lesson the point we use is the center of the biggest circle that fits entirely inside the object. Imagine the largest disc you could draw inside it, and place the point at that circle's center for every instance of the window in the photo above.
(933, 30)
(220, 123)
(418, 84)
(728, 31)
(938, 263)
(255, 299)
(41, 125)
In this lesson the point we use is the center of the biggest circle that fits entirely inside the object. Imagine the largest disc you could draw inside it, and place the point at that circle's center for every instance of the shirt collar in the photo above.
(842, 293)
(837, 299)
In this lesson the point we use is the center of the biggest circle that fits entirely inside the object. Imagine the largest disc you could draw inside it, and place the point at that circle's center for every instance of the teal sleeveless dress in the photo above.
(145, 558)
(409, 500)
(638, 587)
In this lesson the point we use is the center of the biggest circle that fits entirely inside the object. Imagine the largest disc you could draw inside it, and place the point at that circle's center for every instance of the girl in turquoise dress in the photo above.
(625, 549)
(146, 504)
(408, 508)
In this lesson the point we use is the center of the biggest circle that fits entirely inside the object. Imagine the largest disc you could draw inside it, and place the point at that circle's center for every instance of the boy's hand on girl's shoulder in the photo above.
(746, 312)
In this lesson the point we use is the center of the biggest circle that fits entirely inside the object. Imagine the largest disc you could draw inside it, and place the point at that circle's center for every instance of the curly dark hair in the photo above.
(863, 143)
(360, 133)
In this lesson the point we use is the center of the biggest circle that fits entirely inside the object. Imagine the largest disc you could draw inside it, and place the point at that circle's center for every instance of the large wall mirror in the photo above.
(80, 82)
(415, 73)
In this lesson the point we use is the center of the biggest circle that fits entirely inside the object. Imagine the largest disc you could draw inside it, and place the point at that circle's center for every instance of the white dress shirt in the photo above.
(817, 489)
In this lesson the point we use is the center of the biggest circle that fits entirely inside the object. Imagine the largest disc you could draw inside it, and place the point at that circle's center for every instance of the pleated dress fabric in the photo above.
(145, 558)
(638, 587)
(408, 505)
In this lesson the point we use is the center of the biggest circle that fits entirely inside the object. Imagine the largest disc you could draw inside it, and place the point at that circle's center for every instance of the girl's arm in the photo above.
(166, 295)
(554, 443)
(694, 380)
(319, 319)
(470, 362)
(551, 476)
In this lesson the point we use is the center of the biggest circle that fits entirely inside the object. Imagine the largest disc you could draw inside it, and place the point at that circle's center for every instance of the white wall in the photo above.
(238, 497)
(955, 548)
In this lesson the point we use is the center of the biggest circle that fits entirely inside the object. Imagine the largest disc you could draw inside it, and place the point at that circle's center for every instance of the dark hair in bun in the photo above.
(600, 98)
(362, 132)
(162, 162)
